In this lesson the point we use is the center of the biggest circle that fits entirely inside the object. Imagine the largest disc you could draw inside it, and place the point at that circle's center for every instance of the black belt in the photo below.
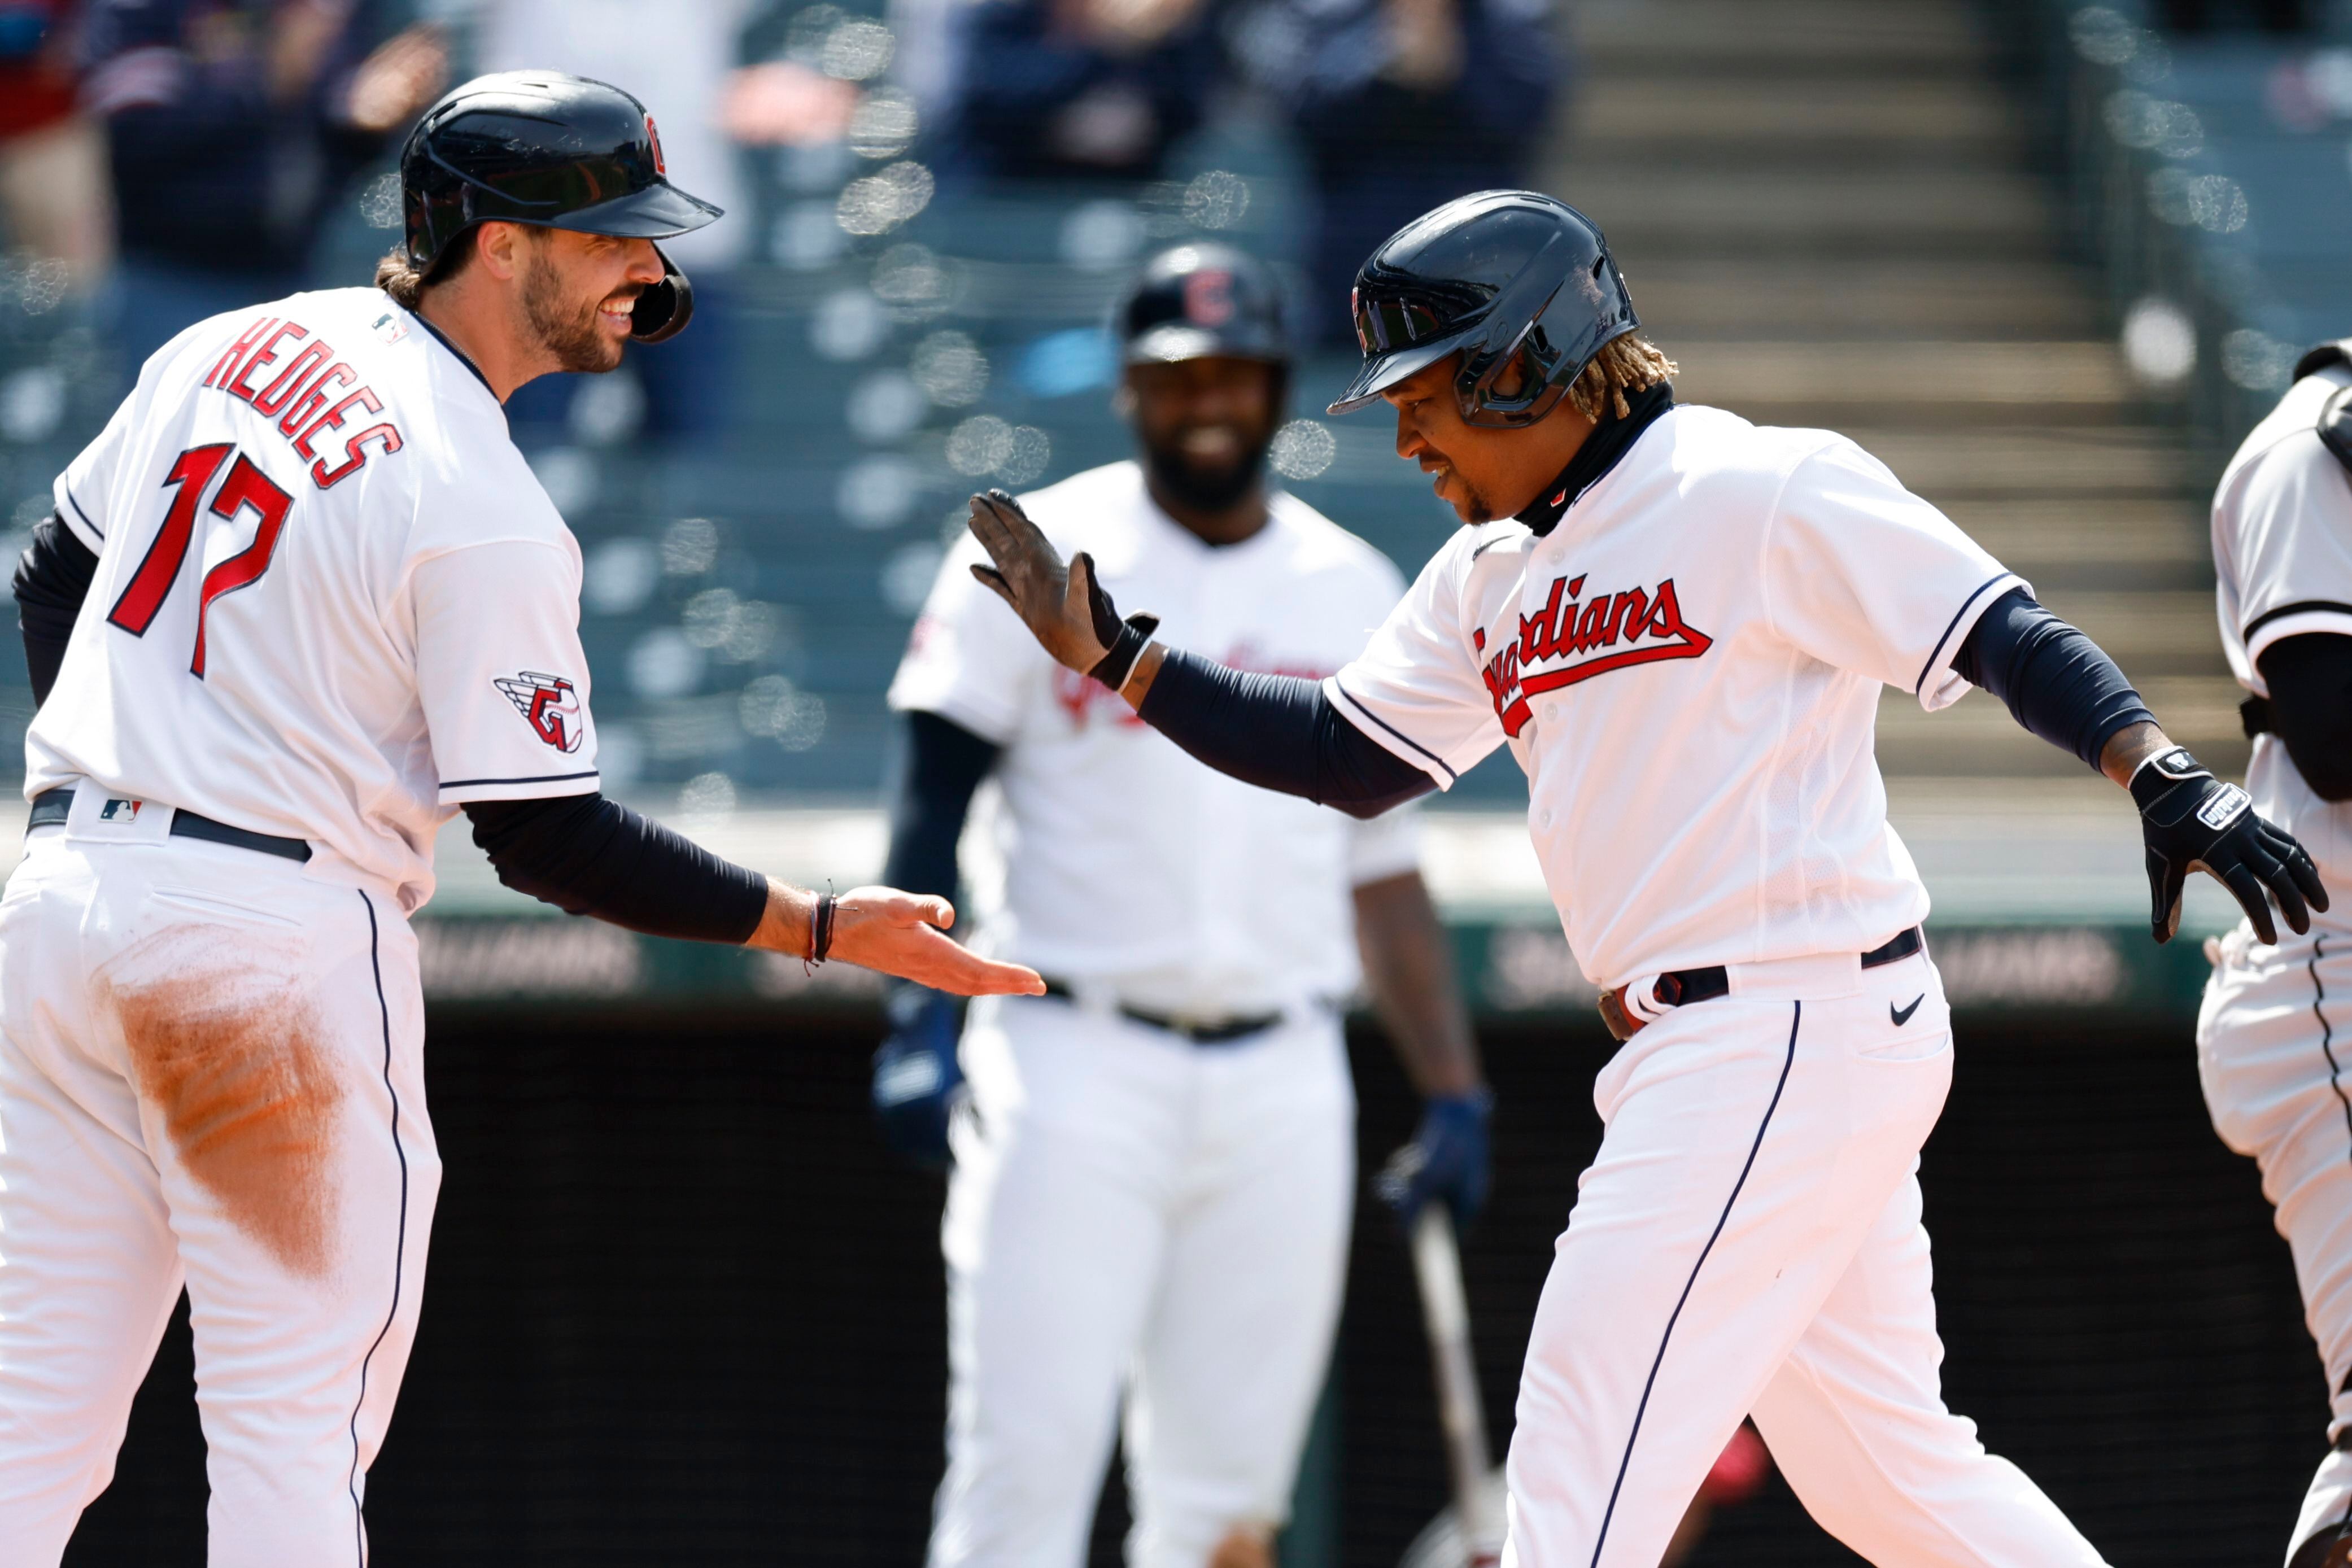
(1224, 1031)
(1681, 988)
(51, 808)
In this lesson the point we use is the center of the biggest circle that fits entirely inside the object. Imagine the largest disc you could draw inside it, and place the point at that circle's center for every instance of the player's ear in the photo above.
(499, 248)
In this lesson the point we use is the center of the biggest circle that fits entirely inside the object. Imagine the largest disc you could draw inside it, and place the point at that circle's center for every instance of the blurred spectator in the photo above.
(683, 65)
(1046, 88)
(233, 127)
(53, 188)
(1403, 105)
(2270, 16)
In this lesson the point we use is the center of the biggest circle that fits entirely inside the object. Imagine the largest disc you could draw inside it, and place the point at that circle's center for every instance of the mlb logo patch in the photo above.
(119, 810)
(390, 327)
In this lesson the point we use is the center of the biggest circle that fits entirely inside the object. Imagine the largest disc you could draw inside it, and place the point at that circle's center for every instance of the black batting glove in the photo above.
(2191, 820)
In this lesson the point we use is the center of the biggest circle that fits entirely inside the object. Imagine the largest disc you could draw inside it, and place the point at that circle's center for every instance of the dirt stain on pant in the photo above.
(235, 1062)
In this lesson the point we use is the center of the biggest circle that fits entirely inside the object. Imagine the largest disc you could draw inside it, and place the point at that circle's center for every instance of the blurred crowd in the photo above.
(165, 160)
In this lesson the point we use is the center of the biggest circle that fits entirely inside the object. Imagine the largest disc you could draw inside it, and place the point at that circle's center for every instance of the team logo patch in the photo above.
(1573, 639)
(119, 810)
(548, 704)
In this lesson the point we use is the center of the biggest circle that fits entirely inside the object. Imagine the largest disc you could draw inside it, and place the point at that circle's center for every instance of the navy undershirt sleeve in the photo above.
(2056, 682)
(1279, 733)
(588, 855)
(53, 577)
(2310, 678)
(930, 794)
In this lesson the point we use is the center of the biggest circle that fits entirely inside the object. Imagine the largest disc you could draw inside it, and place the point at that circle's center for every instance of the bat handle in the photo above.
(1445, 1310)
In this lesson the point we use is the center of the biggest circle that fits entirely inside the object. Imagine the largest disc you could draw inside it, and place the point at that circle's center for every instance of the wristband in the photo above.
(2154, 778)
(1134, 636)
(821, 928)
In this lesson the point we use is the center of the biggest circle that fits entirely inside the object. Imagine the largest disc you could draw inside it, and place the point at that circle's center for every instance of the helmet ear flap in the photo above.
(663, 310)
(1509, 392)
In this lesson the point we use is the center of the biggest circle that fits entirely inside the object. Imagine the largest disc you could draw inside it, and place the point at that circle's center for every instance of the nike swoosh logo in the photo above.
(1903, 1015)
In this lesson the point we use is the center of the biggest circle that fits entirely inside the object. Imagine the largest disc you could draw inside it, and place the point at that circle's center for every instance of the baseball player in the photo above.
(301, 602)
(1680, 624)
(2273, 1027)
(1152, 1186)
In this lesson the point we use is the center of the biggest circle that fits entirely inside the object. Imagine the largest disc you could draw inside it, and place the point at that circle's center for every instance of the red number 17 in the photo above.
(192, 472)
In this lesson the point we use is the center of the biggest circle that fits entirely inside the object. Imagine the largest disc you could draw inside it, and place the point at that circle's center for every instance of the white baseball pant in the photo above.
(1748, 1241)
(210, 1072)
(2275, 1053)
(1133, 1212)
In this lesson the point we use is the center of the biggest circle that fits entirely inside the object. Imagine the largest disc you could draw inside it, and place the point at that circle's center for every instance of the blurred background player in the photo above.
(1153, 1183)
(211, 1021)
(2273, 1039)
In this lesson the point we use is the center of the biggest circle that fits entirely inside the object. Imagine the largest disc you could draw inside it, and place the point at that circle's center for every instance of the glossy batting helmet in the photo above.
(553, 150)
(1202, 301)
(1494, 277)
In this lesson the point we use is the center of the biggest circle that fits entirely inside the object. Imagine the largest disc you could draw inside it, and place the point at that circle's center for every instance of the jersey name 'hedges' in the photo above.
(300, 390)
(1651, 625)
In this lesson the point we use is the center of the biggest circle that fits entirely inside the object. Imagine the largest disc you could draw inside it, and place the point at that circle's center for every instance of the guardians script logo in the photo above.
(1573, 639)
(548, 704)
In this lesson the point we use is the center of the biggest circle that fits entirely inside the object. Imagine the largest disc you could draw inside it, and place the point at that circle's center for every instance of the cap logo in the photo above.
(654, 136)
(1209, 298)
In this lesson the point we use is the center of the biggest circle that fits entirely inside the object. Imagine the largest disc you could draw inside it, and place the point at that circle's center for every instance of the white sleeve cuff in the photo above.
(78, 521)
(530, 786)
(2296, 621)
(1937, 686)
(1390, 739)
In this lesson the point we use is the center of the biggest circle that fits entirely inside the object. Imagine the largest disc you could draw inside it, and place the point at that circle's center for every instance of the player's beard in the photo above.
(571, 332)
(1209, 487)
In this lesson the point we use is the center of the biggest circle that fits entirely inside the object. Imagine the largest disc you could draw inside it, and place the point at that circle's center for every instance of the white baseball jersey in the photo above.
(2283, 555)
(1687, 667)
(331, 601)
(1127, 862)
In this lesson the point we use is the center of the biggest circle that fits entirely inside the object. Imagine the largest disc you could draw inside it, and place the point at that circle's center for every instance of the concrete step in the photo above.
(1841, 297)
(2006, 464)
(2095, 543)
(1696, 206)
(1745, 37)
(1977, 736)
(1819, 382)
(1963, 119)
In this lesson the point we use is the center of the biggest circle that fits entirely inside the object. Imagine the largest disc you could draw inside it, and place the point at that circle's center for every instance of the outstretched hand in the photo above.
(1063, 606)
(905, 934)
(892, 932)
(2194, 821)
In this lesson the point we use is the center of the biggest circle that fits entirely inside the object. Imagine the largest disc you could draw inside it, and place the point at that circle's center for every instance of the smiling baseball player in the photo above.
(1152, 1191)
(1680, 624)
(2273, 1039)
(301, 602)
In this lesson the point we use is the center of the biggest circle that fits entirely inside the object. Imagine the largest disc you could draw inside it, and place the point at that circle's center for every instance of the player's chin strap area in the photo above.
(663, 310)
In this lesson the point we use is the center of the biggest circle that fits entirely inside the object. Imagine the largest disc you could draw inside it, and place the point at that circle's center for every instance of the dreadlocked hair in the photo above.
(1628, 364)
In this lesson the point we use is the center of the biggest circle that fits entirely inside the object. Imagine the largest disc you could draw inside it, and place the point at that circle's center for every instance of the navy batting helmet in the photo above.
(1198, 300)
(556, 151)
(1494, 277)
